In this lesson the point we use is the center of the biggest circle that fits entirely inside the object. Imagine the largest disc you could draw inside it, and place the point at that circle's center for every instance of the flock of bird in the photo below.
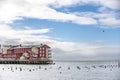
(21, 68)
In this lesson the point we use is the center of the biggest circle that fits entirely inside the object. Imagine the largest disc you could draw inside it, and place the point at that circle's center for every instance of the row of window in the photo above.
(19, 50)
(42, 48)
(9, 55)
(41, 55)
(22, 50)
(42, 51)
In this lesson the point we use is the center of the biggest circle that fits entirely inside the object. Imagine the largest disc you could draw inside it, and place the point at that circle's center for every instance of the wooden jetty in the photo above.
(26, 62)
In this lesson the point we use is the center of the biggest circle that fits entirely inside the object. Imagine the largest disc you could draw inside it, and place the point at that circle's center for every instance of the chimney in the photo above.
(20, 45)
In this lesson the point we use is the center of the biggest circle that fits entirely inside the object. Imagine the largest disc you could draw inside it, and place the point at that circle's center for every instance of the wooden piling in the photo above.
(27, 62)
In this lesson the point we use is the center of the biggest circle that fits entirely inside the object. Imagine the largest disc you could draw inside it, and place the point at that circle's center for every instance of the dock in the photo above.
(26, 62)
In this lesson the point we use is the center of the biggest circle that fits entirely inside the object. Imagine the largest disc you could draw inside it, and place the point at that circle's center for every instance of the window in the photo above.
(43, 48)
(40, 48)
(43, 54)
(40, 51)
(43, 51)
(40, 55)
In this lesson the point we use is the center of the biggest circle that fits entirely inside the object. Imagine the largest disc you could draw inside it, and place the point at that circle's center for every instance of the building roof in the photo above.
(27, 46)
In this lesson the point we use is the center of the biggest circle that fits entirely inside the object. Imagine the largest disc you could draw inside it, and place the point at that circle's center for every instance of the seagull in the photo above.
(68, 68)
(78, 67)
(59, 67)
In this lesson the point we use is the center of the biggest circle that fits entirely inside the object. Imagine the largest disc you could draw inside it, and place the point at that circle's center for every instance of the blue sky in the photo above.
(67, 31)
(89, 29)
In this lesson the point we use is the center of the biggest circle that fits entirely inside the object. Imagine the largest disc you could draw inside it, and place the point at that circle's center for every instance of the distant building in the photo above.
(26, 52)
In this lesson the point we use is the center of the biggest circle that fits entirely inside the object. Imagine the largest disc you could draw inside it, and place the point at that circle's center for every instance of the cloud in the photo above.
(7, 32)
(82, 51)
(39, 31)
(107, 11)
(112, 4)
(110, 22)
(105, 19)
(12, 10)
(60, 49)
(16, 10)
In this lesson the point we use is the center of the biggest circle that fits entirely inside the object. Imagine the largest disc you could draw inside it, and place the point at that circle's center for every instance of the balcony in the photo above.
(49, 53)
(49, 56)
(49, 50)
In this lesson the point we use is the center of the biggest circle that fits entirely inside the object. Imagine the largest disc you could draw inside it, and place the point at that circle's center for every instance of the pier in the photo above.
(27, 62)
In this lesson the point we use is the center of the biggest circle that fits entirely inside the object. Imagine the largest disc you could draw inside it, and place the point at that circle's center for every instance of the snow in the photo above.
(62, 71)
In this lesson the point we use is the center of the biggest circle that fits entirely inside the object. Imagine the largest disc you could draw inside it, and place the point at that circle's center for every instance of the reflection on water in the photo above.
(62, 71)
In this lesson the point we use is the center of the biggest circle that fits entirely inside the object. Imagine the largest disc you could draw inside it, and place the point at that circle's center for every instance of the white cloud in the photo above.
(85, 49)
(69, 50)
(59, 48)
(15, 10)
(65, 3)
(12, 10)
(110, 22)
(85, 21)
(8, 12)
(39, 31)
(7, 32)
(105, 19)
(112, 4)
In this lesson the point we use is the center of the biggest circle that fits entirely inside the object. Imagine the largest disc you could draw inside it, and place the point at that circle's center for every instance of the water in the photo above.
(109, 70)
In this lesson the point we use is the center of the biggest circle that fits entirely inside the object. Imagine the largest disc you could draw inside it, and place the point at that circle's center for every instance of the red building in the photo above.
(29, 52)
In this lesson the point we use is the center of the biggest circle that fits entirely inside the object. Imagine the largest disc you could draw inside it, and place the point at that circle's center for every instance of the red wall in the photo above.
(12, 55)
(42, 51)
(17, 52)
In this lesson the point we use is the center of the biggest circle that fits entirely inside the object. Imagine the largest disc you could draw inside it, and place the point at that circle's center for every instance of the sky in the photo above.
(75, 29)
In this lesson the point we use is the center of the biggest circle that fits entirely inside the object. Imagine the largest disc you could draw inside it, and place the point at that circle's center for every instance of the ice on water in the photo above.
(62, 71)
